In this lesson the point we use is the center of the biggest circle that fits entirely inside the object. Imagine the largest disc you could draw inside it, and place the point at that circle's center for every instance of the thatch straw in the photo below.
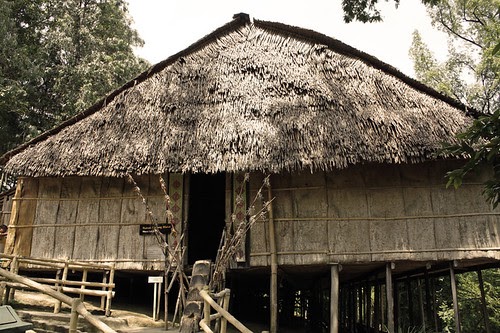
(251, 96)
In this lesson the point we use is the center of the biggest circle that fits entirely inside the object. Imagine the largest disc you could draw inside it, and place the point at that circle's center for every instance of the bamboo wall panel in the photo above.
(348, 236)
(109, 212)
(22, 214)
(380, 213)
(310, 237)
(156, 203)
(259, 240)
(43, 242)
(65, 236)
(6, 209)
(85, 246)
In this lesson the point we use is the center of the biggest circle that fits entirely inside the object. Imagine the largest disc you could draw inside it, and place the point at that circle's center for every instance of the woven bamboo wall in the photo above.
(87, 218)
(376, 213)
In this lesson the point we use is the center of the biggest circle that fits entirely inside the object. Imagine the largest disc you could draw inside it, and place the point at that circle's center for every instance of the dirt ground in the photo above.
(129, 318)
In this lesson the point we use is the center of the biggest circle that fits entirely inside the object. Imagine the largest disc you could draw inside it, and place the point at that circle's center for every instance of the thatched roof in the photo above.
(250, 96)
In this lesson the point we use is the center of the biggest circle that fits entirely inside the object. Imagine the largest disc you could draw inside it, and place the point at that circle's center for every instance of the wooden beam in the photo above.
(454, 294)
(334, 299)
(390, 298)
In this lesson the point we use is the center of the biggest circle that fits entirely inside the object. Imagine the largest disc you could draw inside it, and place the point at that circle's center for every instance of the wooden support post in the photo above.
(104, 281)
(409, 300)
(421, 303)
(14, 268)
(84, 279)
(73, 322)
(334, 299)
(428, 300)
(110, 291)
(376, 308)
(274, 266)
(360, 304)
(368, 303)
(165, 292)
(390, 298)
(59, 286)
(483, 301)
(434, 310)
(454, 294)
(225, 306)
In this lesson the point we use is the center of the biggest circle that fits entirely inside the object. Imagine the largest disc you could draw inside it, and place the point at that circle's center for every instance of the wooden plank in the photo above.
(88, 212)
(43, 242)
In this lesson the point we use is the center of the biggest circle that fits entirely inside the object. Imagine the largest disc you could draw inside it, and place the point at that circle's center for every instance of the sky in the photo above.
(169, 26)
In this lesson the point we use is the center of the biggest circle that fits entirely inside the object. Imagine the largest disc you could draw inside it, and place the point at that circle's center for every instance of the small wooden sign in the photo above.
(155, 279)
(148, 229)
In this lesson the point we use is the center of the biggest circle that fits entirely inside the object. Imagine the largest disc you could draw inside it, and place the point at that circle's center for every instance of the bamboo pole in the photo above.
(230, 318)
(483, 302)
(84, 280)
(454, 294)
(109, 296)
(80, 308)
(73, 322)
(223, 322)
(59, 287)
(274, 266)
(390, 298)
(334, 299)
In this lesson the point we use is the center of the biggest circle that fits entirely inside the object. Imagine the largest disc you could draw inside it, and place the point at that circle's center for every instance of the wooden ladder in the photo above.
(193, 311)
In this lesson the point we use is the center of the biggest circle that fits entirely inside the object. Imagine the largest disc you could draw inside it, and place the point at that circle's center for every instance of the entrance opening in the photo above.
(206, 215)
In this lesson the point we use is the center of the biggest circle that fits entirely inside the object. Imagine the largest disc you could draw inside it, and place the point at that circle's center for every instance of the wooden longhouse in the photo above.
(352, 146)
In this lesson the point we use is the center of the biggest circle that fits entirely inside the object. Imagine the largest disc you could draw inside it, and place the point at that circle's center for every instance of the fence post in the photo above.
(225, 306)
(110, 291)
(57, 306)
(84, 279)
(73, 322)
(206, 312)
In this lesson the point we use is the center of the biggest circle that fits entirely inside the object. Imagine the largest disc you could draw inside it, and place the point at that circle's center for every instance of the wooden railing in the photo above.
(222, 314)
(77, 307)
(62, 281)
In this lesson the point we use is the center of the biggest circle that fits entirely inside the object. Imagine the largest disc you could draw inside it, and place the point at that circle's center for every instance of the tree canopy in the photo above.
(471, 73)
(57, 58)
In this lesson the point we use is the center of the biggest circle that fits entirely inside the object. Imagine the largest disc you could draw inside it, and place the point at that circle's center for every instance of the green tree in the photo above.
(58, 58)
(471, 73)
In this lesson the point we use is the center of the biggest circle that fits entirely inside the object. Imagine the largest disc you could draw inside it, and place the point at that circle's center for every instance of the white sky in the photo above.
(169, 26)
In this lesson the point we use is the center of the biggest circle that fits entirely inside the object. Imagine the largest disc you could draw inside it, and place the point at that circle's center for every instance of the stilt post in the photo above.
(334, 299)
(390, 298)
(274, 267)
(483, 302)
(454, 294)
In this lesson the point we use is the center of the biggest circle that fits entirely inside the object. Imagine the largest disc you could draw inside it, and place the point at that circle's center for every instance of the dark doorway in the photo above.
(206, 215)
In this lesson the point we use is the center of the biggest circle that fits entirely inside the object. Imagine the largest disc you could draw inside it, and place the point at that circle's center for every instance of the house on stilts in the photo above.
(361, 228)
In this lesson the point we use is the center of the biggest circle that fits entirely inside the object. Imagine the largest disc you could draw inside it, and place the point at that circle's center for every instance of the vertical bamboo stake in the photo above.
(428, 301)
(57, 306)
(73, 322)
(334, 299)
(274, 265)
(206, 312)
(389, 296)
(225, 306)
(110, 291)
(483, 301)
(376, 308)
(103, 298)
(453, 283)
(165, 291)
(84, 279)
(421, 301)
